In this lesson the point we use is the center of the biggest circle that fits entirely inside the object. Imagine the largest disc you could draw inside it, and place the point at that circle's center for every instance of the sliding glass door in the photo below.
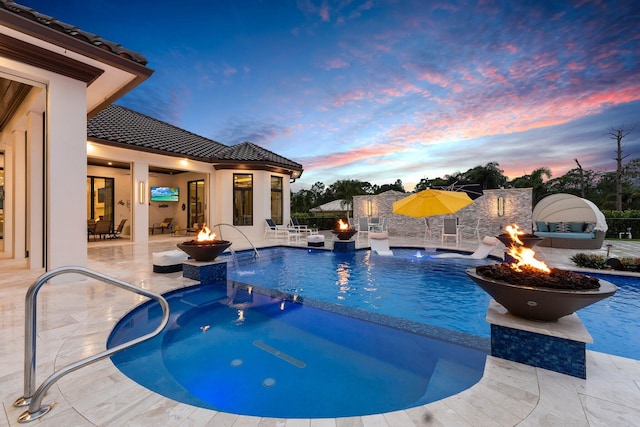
(196, 203)
(100, 205)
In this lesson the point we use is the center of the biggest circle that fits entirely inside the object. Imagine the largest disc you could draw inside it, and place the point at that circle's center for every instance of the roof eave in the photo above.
(258, 165)
(147, 149)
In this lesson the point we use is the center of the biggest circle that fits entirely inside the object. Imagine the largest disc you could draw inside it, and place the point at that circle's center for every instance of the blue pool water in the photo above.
(415, 286)
(233, 349)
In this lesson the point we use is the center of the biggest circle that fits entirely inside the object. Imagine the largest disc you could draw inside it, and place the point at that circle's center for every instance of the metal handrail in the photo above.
(257, 255)
(34, 399)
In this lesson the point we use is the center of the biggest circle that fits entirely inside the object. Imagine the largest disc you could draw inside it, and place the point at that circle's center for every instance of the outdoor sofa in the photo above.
(569, 235)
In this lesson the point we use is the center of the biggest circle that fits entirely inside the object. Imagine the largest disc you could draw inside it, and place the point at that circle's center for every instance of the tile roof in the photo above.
(120, 126)
(250, 152)
(72, 31)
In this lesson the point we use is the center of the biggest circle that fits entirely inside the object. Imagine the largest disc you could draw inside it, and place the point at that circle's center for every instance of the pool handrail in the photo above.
(255, 250)
(34, 398)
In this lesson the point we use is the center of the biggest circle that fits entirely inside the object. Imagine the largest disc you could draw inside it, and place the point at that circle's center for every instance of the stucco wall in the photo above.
(518, 208)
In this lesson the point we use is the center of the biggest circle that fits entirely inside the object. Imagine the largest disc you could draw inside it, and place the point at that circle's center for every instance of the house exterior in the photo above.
(62, 141)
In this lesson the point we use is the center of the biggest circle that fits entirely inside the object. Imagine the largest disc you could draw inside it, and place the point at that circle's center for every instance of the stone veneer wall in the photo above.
(518, 210)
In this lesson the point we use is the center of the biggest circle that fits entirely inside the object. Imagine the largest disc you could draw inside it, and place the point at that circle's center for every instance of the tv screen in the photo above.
(165, 194)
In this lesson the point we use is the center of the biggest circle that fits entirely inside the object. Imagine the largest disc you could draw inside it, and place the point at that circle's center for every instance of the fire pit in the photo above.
(529, 289)
(205, 247)
(343, 232)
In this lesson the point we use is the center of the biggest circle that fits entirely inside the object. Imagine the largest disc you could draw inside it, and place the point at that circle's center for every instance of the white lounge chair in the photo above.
(379, 243)
(483, 251)
(275, 230)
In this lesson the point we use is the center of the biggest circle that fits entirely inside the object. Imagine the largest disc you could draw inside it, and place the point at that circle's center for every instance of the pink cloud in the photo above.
(335, 63)
(229, 71)
(324, 11)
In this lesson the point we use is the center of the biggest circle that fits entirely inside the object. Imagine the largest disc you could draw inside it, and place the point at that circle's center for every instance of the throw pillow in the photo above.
(590, 227)
(563, 227)
(576, 227)
(553, 226)
(542, 226)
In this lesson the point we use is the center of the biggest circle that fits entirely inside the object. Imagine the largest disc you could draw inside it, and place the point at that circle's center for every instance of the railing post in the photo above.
(33, 397)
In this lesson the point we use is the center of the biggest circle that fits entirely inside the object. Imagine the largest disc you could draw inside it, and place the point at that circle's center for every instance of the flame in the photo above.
(343, 225)
(205, 235)
(523, 256)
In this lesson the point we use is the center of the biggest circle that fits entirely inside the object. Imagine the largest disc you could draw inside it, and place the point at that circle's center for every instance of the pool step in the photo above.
(447, 375)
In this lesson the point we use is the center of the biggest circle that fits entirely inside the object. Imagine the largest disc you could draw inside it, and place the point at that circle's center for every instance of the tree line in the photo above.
(618, 190)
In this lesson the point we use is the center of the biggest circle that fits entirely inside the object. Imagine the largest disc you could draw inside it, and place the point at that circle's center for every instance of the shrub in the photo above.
(598, 262)
(630, 264)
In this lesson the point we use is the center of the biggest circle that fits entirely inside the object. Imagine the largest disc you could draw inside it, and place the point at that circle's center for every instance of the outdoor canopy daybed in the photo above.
(568, 221)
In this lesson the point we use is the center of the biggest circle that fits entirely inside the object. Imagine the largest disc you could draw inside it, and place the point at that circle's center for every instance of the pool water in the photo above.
(418, 287)
(233, 349)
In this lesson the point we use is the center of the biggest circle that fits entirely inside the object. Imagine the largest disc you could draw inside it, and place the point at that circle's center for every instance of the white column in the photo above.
(66, 175)
(140, 191)
(35, 194)
(9, 194)
(19, 187)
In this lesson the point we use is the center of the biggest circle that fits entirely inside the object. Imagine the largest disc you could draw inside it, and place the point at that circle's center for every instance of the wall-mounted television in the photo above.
(165, 194)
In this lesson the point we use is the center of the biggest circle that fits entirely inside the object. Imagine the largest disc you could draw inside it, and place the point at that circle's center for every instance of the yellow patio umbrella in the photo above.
(432, 202)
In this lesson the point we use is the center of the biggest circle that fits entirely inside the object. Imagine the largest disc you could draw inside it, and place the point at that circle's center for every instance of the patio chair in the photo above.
(302, 228)
(476, 230)
(275, 230)
(429, 232)
(374, 224)
(166, 224)
(116, 233)
(363, 226)
(483, 251)
(450, 228)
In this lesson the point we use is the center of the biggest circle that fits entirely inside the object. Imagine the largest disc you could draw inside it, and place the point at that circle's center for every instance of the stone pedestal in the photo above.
(557, 346)
(344, 245)
(205, 272)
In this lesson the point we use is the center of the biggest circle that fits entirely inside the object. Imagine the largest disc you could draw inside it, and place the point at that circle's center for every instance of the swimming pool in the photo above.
(415, 286)
(234, 349)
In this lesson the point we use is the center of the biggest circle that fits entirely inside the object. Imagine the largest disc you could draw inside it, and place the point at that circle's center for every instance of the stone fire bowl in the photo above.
(528, 240)
(344, 234)
(206, 251)
(542, 304)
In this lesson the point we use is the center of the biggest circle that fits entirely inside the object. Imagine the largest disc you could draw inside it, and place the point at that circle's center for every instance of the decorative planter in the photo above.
(542, 304)
(344, 234)
(204, 251)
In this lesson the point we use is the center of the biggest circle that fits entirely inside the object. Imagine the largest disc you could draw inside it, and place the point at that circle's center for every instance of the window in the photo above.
(276, 199)
(242, 199)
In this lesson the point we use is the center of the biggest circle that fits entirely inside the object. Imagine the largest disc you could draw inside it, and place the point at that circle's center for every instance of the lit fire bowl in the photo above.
(528, 240)
(344, 234)
(204, 251)
(540, 303)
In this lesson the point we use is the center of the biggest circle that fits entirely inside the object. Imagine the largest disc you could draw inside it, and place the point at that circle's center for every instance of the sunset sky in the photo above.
(381, 90)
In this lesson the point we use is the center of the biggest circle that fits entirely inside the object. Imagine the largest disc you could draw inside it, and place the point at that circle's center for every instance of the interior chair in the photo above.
(91, 228)
(273, 229)
(166, 224)
(116, 233)
(483, 251)
(450, 229)
(102, 230)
